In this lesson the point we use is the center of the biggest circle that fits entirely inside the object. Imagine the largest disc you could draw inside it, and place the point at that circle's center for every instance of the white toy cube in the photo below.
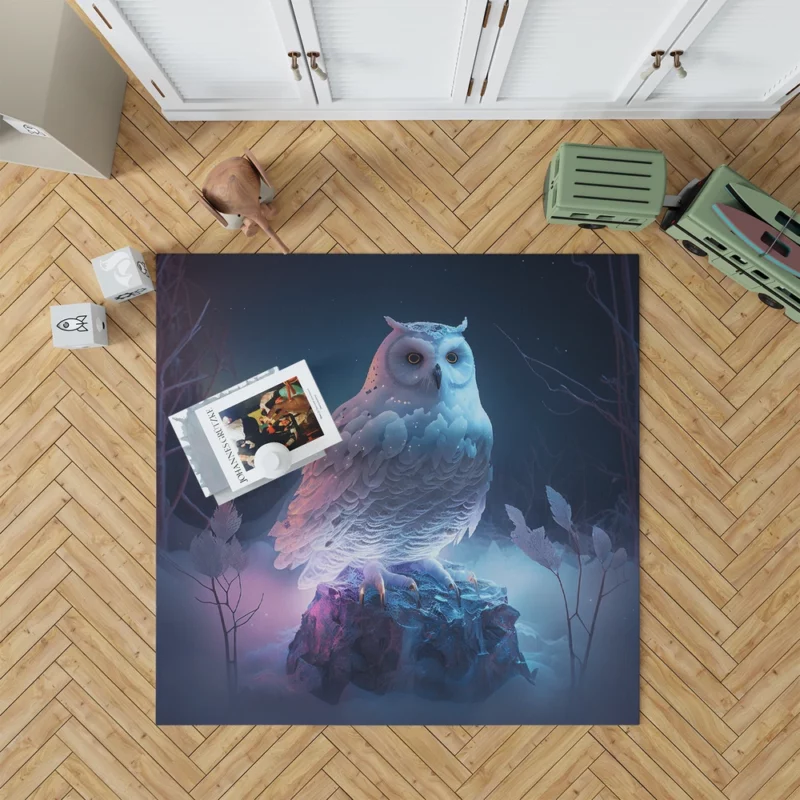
(122, 274)
(78, 325)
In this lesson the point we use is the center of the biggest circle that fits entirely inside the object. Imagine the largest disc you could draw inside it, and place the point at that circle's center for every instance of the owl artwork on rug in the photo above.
(410, 475)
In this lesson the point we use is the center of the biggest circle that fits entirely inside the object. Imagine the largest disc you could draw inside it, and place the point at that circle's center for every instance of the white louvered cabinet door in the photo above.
(735, 50)
(385, 54)
(209, 54)
(557, 54)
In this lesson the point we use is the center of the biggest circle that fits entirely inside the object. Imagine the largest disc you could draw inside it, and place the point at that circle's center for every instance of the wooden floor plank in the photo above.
(31, 629)
(100, 766)
(567, 770)
(684, 447)
(353, 783)
(37, 769)
(374, 765)
(159, 131)
(31, 666)
(36, 296)
(476, 133)
(765, 436)
(12, 176)
(119, 743)
(681, 589)
(144, 153)
(682, 555)
(768, 725)
(419, 161)
(437, 143)
(508, 173)
(678, 733)
(677, 476)
(378, 228)
(782, 530)
(509, 198)
(30, 703)
(774, 586)
(226, 773)
(31, 266)
(684, 374)
(761, 658)
(153, 198)
(691, 634)
(619, 782)
(504, 760)
(85, 783)
(769, 687)
(91, 606)
(492, 153)
(41, 546)
(78, 449)
(692, 527)
(113, 590)
(31, 230)
(20, 204)
(152, 740)
(298, 154)
(429, 223)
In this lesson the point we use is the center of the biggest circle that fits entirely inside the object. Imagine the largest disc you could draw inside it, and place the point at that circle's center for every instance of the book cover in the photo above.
(284, 407)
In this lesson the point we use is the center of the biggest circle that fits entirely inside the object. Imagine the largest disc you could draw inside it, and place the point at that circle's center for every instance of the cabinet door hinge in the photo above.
(469, 88)
(487, 12)
(503, 15)
(483, 88)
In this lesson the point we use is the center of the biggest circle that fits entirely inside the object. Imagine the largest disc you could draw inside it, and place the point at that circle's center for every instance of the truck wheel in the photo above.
(769, 301)
(592, 226)
(693, 248)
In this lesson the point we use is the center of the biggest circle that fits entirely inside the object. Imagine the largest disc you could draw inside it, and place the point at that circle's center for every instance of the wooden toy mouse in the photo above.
(233, 193)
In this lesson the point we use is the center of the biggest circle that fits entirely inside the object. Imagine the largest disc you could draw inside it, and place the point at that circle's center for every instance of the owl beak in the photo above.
(437, 376)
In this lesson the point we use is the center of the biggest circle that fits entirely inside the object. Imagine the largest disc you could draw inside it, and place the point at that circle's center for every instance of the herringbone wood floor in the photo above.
(720, 654)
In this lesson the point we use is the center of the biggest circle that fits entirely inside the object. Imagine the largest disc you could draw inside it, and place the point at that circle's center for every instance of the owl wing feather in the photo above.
(417, 473)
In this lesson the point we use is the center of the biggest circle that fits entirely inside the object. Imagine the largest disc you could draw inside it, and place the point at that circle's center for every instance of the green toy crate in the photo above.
(702, 232)
(605, 187)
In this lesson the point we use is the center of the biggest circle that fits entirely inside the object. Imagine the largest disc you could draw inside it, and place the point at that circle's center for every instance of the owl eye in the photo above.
(451, 357)
(414, 358)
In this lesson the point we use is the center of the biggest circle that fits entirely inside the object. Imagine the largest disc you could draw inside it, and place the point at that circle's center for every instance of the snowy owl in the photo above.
(410, 475)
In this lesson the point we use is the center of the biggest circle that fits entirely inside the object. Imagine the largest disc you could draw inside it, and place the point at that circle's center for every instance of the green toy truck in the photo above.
(702, 232)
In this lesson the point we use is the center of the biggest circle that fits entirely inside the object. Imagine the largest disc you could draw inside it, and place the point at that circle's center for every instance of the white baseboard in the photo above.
(651, 111)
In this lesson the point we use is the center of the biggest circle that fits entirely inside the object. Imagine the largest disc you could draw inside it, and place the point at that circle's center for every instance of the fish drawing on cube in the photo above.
(79, 325)
(122, 275)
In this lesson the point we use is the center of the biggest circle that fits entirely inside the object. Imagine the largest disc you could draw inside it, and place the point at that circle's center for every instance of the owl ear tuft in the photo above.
(462, 327)
(395, 325)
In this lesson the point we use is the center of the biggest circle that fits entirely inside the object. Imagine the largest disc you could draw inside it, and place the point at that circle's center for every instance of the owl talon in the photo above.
(455, 589)
(414, 589)
(362, 590)
(373, 576)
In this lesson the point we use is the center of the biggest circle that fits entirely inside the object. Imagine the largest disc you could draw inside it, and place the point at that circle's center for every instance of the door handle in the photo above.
(676, 58)
(295, 67)
(657, 56)
(313, 56)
